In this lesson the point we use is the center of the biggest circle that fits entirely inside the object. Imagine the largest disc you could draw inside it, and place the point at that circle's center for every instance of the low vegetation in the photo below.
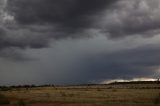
(157, 99)
(83, 95)
(21, 103)
(4, 100)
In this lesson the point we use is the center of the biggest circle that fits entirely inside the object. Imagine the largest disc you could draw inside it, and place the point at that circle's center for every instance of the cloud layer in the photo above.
(133, 18)
(47, 19)
(71, 39)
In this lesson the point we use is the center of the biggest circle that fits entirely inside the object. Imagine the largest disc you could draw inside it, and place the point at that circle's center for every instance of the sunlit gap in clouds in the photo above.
(127, 80)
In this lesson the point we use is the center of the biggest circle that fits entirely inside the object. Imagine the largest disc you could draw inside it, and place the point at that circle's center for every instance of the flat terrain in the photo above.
(95, 95)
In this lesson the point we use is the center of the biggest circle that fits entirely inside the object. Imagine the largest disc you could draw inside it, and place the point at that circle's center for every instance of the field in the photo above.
(84, 95)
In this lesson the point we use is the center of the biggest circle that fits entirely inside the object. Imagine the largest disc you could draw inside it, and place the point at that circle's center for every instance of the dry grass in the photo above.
(83, 96)
(157, 99)
(3, 100)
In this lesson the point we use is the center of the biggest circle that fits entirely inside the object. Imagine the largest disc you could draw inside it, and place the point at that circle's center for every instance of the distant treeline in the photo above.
(7, 88)
(137, 82)
(18, 87)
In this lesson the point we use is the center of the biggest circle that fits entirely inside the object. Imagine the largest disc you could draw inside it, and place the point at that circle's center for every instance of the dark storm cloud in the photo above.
(114, 18)
(31, 24)
(12, 54)
(138, 62)
(14, 42)
(28, 25)
(36, 22)
(2, 32)
(70, 14)
(27, 40)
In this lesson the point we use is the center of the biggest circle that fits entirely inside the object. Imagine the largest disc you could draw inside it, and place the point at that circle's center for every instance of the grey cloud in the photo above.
(13, 54)
(67, 14)
(63, 19)
(23, 40)
(73, 61)
(2, 32)
(34, 23)
(138, 62)
(14, 42)
(138, 17)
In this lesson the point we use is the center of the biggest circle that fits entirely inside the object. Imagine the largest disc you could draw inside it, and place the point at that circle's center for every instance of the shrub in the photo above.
(63, 94)
(48, 95)
(114, 90)
(4, 100)
(21, 103)
(5, 88)
(157, 99)
(98, 89)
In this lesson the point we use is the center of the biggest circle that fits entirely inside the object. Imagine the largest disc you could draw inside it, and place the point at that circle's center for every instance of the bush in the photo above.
(157, 99)
(5, 89)
(21, 103)
(114, 90)
(63, 94)
(4, 100)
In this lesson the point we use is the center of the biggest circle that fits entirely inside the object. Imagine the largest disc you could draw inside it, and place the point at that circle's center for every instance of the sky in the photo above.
(78, 41)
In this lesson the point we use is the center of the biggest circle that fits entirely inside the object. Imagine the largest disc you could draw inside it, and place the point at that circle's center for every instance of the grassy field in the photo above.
(97, 95)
